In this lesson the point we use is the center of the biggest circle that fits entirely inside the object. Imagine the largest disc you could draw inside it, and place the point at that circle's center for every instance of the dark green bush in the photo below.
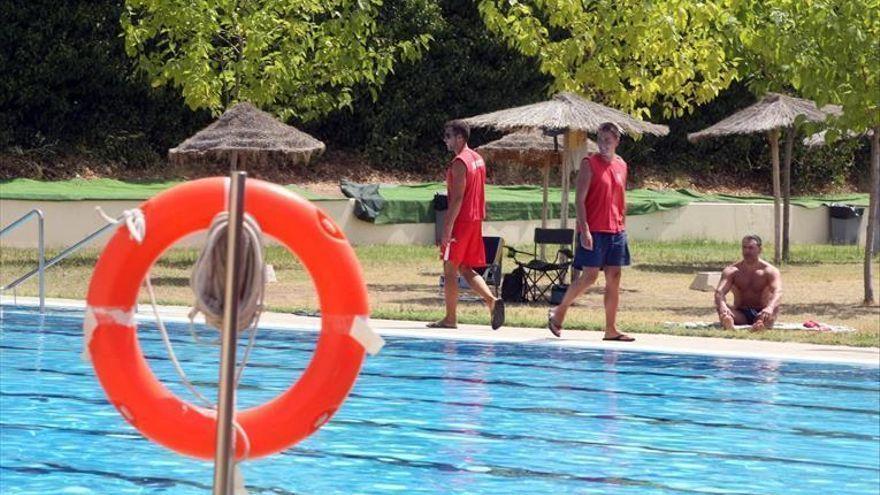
(66, 83)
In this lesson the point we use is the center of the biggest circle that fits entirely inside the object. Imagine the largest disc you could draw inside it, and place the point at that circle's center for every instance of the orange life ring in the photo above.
(125, 374)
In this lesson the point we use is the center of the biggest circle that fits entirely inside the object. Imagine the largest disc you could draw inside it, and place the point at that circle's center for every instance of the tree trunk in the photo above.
(786, 193)
(777, 207)
(872, 215)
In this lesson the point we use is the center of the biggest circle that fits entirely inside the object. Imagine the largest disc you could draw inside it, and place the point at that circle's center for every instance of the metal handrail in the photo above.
(41, 262)
(63, 254)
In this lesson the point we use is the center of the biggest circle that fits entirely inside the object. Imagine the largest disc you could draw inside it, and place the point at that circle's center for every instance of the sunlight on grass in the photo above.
(824, 282)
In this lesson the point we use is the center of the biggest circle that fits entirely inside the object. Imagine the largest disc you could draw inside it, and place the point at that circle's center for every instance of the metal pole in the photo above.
(42, 261)
(224, 454)
(59, 257)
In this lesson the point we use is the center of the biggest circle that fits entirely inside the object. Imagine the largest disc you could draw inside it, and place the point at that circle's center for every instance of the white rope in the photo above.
(208, 283)
(208, 278)
(206, 402)
(134, 220)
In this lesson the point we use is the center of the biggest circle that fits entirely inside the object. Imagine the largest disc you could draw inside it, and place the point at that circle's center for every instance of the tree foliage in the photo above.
(467, 70)
(65, 81)
(827, 50)
(297, 57)
(628, 53)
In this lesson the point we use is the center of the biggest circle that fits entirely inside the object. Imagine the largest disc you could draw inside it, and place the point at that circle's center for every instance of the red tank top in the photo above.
(473, 204)
(606, 201)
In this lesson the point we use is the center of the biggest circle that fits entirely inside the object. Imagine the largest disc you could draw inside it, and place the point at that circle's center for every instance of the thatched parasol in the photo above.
(531, 148)
(572, 115)
(565, 112)
(245, 136)
(771, 114)
(818, 139)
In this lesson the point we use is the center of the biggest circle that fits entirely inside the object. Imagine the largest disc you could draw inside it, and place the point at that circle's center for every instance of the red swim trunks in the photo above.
(467, 247)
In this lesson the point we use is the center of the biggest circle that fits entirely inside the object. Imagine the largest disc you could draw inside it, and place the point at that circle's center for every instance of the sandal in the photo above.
(621, 337)
(440, 324)
(554, 327)
(498, 314)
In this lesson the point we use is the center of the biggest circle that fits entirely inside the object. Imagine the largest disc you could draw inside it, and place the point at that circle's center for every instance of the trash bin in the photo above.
(441, 204)
(845, 222)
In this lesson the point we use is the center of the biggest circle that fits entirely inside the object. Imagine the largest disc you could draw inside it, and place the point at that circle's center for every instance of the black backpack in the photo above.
(513, 287)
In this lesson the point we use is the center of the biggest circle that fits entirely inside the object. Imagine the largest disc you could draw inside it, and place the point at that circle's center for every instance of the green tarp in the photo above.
(414, 203)
(96, 189)
(387, 204)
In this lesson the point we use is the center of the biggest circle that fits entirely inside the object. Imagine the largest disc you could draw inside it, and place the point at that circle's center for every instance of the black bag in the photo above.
(557, 292)
(513, 287)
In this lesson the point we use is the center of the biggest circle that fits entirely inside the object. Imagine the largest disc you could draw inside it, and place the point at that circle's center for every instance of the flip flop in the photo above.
(555, 328)
(498, 314)
(440, 324)
(621, 338)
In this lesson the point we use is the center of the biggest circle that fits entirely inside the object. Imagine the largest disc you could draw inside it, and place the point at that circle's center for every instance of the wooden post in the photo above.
(873, 207)
(546, 173)
(574, 142)
(777, 207)
(786, 192)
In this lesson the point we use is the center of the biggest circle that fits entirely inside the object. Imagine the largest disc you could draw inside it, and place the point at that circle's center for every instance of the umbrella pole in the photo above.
(774, 156)
(573, 144)
(546, 173)
(563, 170)
(786, 193)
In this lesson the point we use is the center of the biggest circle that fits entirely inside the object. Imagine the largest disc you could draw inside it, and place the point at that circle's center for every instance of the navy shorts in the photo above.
(608, 250)
(751, 314)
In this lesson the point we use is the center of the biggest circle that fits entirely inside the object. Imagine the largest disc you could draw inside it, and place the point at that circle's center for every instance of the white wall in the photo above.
(69, 221)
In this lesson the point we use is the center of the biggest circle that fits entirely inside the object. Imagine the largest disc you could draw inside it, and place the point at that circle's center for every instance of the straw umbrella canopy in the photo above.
(771, 114)
(531, 148)
(245, 136)
(818, 139)
(572, 116)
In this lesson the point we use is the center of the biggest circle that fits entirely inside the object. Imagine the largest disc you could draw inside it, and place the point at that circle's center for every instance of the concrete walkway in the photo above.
(869, 356)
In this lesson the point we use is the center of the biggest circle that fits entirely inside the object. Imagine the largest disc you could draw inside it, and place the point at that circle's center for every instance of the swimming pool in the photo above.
(431, 416)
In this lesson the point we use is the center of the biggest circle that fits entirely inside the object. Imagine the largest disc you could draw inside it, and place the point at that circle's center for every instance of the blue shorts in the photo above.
(608, 250)
(751, 314)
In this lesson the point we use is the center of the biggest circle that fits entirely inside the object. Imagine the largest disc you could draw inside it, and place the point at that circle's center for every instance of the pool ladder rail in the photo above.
(42, 263)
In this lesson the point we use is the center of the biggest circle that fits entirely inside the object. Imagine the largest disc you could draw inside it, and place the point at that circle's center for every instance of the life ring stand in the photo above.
(124, 373)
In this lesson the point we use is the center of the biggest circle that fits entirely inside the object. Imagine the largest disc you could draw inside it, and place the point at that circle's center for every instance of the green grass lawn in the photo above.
(823, 283)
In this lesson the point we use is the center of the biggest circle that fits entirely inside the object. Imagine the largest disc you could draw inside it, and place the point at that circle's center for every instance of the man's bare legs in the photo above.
(587, 278)
(450, 291)
(612, 300)
(737, 317)
(478, 285)
(765, 323)
(450, 295)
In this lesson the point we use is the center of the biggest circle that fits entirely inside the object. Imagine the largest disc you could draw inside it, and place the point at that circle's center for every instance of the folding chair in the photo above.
(491, 273)
(540, 275)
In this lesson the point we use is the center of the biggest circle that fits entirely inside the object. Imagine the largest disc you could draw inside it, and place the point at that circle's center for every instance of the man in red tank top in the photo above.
(602, 243)
(461, 245)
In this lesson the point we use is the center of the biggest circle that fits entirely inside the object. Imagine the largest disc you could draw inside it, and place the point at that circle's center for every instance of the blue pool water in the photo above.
(457, 417)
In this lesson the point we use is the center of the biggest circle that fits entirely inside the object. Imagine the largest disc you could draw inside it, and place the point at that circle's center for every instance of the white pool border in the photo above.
(657, 343)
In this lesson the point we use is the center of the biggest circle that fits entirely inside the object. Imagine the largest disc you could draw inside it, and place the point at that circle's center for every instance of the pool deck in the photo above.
(575, 338)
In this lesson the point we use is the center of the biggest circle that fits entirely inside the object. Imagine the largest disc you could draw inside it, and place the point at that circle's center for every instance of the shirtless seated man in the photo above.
(757, 289)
